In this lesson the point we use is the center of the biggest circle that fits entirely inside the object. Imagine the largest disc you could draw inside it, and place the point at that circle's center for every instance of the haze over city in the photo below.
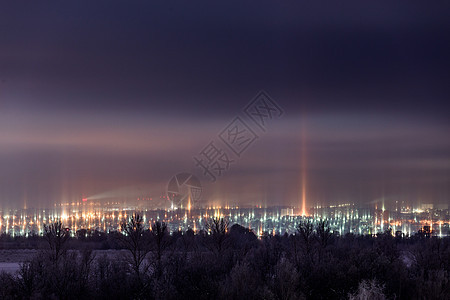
(224, 150)
(112, 101)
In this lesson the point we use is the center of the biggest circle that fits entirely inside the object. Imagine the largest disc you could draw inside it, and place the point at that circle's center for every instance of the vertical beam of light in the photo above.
(303, 167)
(189, 201)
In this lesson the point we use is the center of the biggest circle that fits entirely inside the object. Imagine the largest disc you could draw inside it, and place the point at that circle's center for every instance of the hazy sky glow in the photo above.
(105, 98)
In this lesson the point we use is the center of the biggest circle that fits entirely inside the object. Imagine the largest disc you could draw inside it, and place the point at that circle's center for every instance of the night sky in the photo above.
(104, 99)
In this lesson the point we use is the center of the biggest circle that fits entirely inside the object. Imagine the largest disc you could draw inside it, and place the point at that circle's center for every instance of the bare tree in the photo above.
(219, 230)
(56, 236)
(306, 231)
(323, 233)
(188, 242)
(368, 290)
(31, 276)
(160, 233)
(135, 241)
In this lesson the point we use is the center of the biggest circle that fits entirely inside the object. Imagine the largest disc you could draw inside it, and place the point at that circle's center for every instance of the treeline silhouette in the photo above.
(227, 262)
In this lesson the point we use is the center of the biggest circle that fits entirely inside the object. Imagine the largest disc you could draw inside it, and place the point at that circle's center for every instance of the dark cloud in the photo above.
(98, 95)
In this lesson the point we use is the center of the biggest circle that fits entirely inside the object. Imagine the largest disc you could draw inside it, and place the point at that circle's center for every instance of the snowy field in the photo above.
(10, 259)
(9, 267)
